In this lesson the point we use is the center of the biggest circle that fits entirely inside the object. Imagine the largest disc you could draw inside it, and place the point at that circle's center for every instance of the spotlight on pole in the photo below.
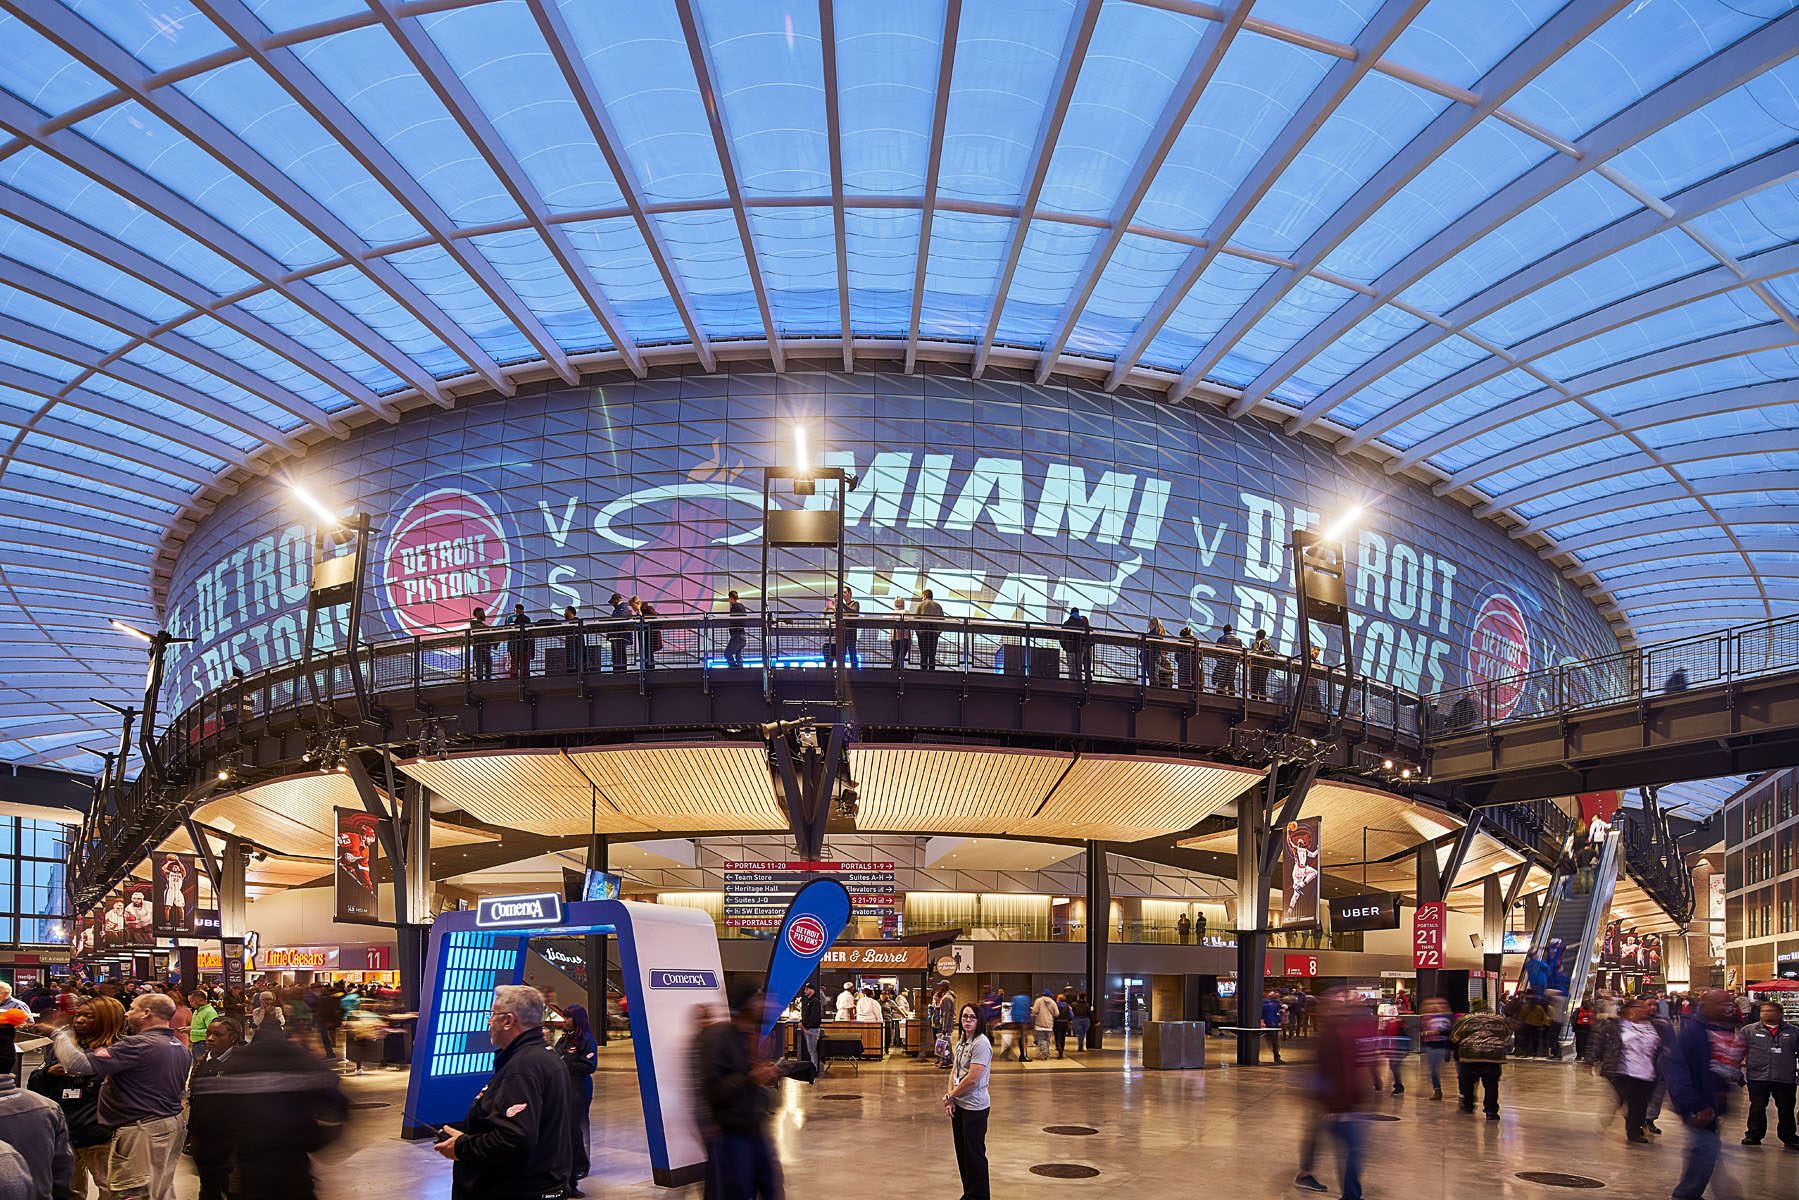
(1338, 529)
(132, 630)
(316, 506)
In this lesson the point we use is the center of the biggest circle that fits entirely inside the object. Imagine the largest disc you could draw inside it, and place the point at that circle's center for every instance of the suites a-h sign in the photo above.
(515, 912)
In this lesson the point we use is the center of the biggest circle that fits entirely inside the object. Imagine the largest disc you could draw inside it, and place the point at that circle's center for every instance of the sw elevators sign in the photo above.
(1373, 910)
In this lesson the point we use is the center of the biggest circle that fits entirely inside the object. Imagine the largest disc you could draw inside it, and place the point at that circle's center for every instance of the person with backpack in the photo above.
(580, 1053)
(1064, 1019)
(1481, 1041)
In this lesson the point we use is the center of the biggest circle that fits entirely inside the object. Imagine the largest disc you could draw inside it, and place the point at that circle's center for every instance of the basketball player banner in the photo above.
(1300, 873)
(356, 897)
(176, 898)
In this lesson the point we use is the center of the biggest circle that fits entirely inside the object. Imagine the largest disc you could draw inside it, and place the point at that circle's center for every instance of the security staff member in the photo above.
(514, 1144)
(1771, 1047)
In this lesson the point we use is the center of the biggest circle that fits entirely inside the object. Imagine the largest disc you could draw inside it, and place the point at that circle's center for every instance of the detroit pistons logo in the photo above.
(806, 937)
(1499, 654)
(447, 557)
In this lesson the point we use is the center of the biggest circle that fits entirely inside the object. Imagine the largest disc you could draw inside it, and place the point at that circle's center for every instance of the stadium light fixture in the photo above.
(132, 630)
(1338, 529)
(799, 449)
(316, 506)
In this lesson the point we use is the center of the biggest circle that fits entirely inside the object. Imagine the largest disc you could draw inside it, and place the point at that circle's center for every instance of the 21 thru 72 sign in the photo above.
(1427, 935)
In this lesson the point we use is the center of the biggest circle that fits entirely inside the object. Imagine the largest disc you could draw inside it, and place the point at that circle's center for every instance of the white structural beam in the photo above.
(575, 74)
(109, 171)
(46, 388)
(460, 103)
(1673, 523)
(1202, 65)
(130, 261)
(1703, 450)
(1685, 408)
(1330, 92)
(1659, 493)
(827, 41)
(1530, 58)
(1690, 289)
(93, 361)
(1043, 149)
(701, 55)
(1734, 344)
(1729, 68)
(112, 62)
(1727, 570)
(100, 504)
(1638, 556)
(291, 74)
(946, 65)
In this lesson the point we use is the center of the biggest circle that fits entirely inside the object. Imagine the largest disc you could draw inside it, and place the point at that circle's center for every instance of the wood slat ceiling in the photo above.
(293, 816)
(685, 788)
(1634, 908)
(543, 792)
(1127, 798)
(951, 790)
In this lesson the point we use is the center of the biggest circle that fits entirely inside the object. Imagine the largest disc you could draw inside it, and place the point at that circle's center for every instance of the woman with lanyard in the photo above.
(967, 1102)
(581, 1055)
(98, 1022)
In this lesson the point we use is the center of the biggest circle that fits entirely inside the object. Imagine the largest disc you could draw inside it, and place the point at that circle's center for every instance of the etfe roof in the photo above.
(1542, 254)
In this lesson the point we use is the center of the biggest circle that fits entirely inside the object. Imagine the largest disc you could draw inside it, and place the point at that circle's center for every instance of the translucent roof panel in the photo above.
(1543, 255)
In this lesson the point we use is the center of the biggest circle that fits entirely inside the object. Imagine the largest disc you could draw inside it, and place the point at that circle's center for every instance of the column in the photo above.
(1099, 929)
(233, 912)
(1252, 922)
(1430, 888)
(597, 857)
(412, 890)
(1492, 936)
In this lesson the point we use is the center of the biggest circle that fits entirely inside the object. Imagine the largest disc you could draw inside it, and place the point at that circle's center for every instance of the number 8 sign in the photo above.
(1427, 936)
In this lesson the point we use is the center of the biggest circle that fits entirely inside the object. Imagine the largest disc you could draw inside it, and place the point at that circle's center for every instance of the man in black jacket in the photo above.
(733, 1085)
(280, 1104)
(620, 637)
(516, 1142)
(812, 1020)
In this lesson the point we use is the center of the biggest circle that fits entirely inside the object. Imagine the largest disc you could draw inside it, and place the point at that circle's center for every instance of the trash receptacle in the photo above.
(1174, 1045)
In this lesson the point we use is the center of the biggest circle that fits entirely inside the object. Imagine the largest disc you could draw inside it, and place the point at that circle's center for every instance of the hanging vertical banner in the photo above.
(177, 895)
(231, 964)
(815, 918)
(140, 914)
(112, 921)
(357, 899)
(1300, 875)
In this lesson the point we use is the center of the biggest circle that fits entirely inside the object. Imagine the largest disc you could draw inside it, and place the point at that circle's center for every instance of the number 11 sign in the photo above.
(1427, 936)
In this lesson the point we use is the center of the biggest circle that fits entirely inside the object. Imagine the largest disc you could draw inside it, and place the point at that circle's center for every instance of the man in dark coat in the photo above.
(734, 1089)
(517, 1141)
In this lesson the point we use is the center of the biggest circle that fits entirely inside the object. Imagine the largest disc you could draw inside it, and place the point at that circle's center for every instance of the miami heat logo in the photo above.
(448, 556)
(1499, 654)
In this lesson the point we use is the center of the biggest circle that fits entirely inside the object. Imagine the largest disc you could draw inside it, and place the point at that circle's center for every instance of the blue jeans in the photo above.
(1700, 1161)
(1081, 1025)
(1348, 1130)
(1434, 1058)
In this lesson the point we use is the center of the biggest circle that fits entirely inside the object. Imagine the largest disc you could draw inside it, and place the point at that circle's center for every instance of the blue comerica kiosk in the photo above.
(668, 958)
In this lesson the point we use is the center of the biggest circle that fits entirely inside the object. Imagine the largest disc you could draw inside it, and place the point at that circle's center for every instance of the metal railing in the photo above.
(1666, 668)
(1654, 859)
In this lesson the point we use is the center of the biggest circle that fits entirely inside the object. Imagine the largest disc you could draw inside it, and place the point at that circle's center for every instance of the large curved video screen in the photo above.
(1009, 500)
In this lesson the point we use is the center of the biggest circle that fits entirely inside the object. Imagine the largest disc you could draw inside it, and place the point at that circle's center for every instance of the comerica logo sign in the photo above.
(496, 912)
(684, 979)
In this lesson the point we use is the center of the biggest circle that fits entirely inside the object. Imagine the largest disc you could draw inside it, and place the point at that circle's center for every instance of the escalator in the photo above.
(1577, 919)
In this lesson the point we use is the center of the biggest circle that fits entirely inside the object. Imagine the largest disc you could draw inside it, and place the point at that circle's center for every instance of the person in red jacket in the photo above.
(1339, 1089)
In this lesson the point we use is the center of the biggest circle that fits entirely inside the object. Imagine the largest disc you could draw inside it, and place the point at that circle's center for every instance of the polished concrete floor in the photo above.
(1223, 1132)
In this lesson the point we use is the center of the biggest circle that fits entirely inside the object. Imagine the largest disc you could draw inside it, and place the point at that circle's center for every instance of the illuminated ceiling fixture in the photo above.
(133, 630)
(1338, 529)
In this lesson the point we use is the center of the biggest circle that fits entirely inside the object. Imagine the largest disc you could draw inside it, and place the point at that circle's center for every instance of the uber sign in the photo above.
(1375, 910)
(501, 912)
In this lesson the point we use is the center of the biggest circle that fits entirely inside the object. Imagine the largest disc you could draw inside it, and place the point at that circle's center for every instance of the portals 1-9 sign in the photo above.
(1011, 502)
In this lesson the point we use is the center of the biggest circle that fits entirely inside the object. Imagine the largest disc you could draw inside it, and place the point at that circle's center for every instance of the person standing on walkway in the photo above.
(900, 636)
(1020, 1012)
(204, 1015)
(283, 1105)
(620, 637)
(143, 1083)
(1064, 1020)
(1703, 1070)
(734, 1087)
(737, 634)
(1183, 928)
(520, 644)
(1083, 1019)
(1261, 650)
(848, 610)
(1078, 642)
(574, 641)
(580, 1053)
(812, 1020)
(1271, 1021)
(1770, 1046)
(480, 649)
(1481, 1041)
(33, 1125)
(1339, 1090)
(651, 644)
(514, 1142)
(212, 1118)
(98, 1022)
(1043, 1021)
(1627, 1053)
(929, 613)
(1433, 1033)
(968, 1103)
(1224, 668)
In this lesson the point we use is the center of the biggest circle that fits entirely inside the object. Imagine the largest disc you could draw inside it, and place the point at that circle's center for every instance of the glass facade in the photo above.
(1543, 253)
(1009, 500)
(34, 902)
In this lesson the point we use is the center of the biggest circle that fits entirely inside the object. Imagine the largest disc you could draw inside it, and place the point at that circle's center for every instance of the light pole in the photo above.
(337, 579)
(158, 643)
